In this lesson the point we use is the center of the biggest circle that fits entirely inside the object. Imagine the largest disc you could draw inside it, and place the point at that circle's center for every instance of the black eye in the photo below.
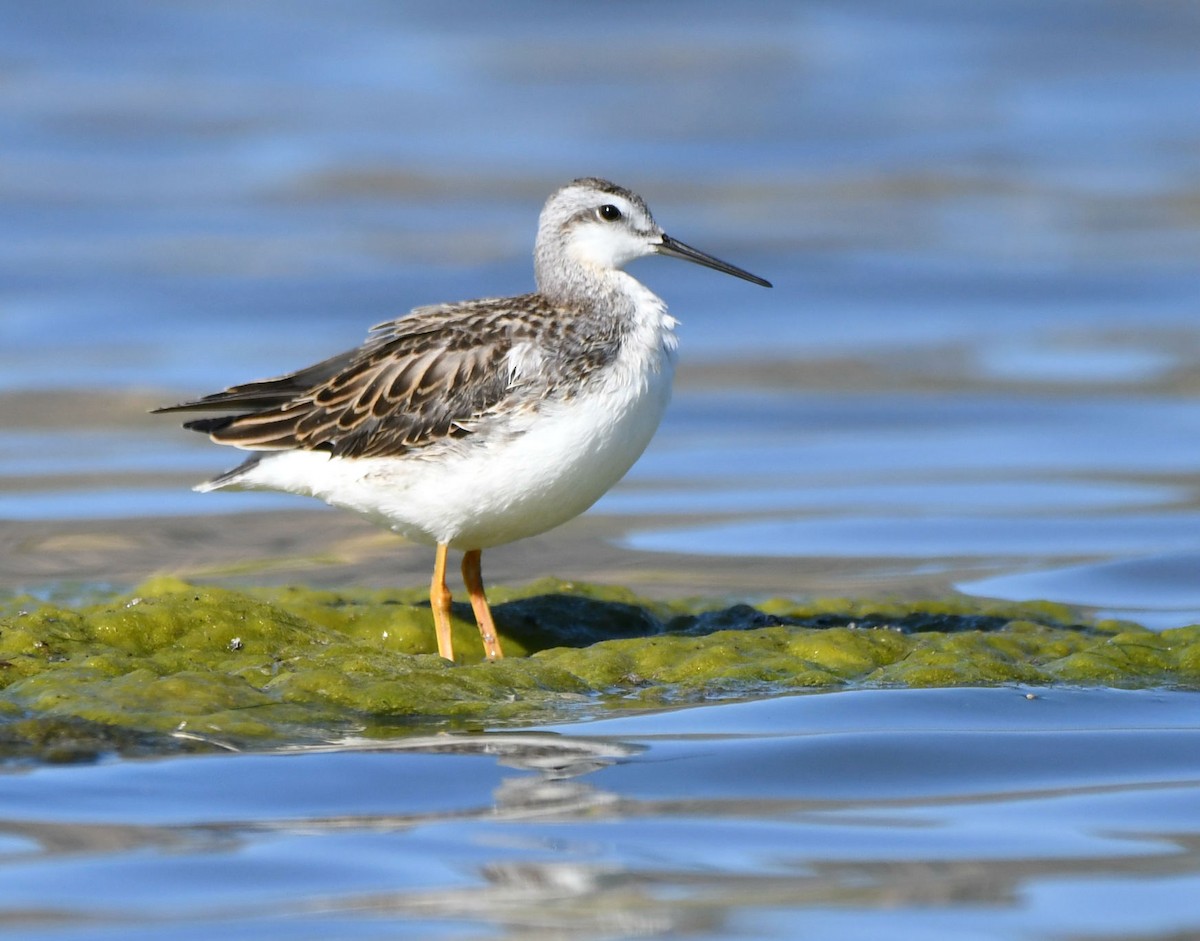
(609, 213)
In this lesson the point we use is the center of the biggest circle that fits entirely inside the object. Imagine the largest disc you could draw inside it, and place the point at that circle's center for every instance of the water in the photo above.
(916, 814)
(978, 369)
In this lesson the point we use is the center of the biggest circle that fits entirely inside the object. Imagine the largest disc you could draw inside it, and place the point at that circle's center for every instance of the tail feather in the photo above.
(228, 479)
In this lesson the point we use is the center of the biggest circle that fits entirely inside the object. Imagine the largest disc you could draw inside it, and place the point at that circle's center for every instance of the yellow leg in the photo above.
(439, 601)
(473, 577)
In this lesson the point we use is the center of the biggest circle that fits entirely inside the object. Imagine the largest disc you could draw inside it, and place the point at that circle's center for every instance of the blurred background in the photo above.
(978, 369)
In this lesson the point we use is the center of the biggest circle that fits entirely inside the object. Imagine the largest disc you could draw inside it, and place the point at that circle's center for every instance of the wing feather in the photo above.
(426, 377)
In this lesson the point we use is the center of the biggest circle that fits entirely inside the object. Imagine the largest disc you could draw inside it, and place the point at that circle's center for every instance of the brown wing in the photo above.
(425, 377)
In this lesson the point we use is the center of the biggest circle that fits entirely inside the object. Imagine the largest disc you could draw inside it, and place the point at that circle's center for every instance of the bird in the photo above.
(470, 425)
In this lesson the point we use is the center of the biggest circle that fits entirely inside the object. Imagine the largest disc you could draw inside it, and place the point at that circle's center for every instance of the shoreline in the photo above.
(327, 549)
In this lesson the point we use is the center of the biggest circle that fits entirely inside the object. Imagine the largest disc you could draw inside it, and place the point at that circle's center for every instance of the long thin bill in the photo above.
(676, 249)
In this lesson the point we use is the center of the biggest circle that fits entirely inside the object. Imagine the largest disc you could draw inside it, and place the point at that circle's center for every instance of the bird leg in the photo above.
(473, 577)
(439, 602)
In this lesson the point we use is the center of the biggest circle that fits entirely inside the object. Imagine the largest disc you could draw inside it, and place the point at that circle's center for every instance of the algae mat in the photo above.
(177, 666)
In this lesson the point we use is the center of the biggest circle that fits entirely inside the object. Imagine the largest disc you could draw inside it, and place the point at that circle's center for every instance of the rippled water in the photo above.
(979, 364)
(982, 226)
(910, 814)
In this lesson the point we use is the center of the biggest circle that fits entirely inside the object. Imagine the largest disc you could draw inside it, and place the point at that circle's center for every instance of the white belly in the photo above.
(479, 496)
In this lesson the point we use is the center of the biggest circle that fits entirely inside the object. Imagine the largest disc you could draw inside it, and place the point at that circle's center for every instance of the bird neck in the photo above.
(573, 283)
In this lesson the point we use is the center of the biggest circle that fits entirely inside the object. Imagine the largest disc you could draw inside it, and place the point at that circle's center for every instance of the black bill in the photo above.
(676, 249)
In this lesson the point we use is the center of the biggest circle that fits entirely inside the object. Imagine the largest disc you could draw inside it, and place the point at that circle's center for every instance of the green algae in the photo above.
(179, 665)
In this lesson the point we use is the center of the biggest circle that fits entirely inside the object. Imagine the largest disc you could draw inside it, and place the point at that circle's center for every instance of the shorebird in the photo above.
(474, 424)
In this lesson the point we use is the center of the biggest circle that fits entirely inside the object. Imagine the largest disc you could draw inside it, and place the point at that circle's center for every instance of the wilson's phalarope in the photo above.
(474, 424)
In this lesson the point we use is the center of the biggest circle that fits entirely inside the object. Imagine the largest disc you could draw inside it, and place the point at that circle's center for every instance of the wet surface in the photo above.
(274, 666)
(986, 813)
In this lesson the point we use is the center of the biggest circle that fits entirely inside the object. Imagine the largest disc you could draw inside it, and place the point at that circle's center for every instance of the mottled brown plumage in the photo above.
(426, 378)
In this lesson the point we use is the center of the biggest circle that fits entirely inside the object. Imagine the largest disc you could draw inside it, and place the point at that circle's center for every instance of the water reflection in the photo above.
(909, 807)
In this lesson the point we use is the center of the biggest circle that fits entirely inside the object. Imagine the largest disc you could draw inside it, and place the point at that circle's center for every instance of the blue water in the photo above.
(910, 814)
(980, 356)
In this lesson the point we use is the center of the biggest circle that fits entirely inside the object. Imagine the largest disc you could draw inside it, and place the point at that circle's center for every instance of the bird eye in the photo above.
(609, 213)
